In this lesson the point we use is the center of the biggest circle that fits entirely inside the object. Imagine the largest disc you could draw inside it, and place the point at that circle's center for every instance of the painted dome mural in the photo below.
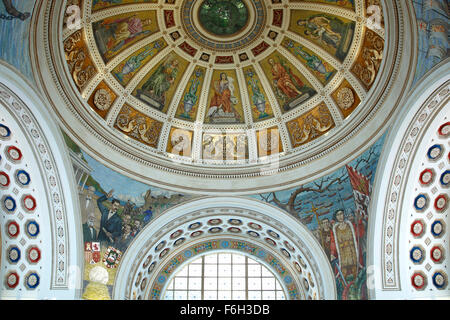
(225, 90)
(288, 131)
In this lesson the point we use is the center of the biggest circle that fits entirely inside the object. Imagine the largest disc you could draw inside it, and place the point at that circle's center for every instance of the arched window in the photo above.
(224, 276)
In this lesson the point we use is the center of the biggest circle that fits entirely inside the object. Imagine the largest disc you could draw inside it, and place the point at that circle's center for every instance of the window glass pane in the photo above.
(225, 258)
(268, 283)
(238, 283)
(195, 295)
(238, 295)
(210, 284)
(195, 270)
(280, 295)
(197, 261)
(183, 272)
(238, 259)
(278, 285)
(224, 276)
(210, 270)
(211, 259)
(239, 271)
(210, 295)
(224, 295)
(268, 295)
(224, 283)
(254, 295)
(254, 270)
(180, 283)
(224, 271)
(195, 283)
(265, 272)
(168, 295)
(180, 295)
(254, 284)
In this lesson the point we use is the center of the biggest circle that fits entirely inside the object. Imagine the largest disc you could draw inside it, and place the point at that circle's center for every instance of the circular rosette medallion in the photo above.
(223, 18)
(179, 242)
(29, 203)
(5, 133)
(4, 180)
(440, 203)
(195, 225)
(12, 280)
(214, 222)
(23, 178)
(32, 228)
(14, 254)
(152, 267)
(13, 229)
(9, 204)
(437, 254)
(417, 228)
(235, 222)
(435, 152)
(223, 25)
(444, 130)
(417, 255)
(34, 255)
(161, 245)
(420, 202)
(440, 280)
(14, 154)
(147, 261)
(215, 230)
(234, 230)
(253, 234)
(426, 177)
(437, 228)
(254, 226)
(418, 281)
(297, 267)
(176, 234)
(32, 280)
(445, 178)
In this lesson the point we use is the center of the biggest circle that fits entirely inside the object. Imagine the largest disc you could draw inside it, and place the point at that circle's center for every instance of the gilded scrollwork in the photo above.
(80, 65)
(139, 126)
(310, 126)
(368, 63)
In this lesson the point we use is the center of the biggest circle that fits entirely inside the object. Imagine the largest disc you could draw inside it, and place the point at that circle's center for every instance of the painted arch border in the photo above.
(397, 163)
(292, 289)
(139, 248)
(65, 256)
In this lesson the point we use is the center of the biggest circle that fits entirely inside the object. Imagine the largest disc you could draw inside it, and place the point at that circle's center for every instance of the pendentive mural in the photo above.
(115, 208)
(15, 19)
(335, 209)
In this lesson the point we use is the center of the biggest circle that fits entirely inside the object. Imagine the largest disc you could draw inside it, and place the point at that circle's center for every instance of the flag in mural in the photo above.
(361, 191)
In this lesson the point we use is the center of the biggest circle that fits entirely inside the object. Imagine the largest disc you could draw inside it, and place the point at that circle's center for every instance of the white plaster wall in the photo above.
(60, 239)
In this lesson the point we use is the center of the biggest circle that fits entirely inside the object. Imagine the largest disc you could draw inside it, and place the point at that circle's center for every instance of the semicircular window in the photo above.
(224, 276)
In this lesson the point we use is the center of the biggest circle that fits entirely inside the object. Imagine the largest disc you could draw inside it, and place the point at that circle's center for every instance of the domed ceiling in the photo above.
(216, 89)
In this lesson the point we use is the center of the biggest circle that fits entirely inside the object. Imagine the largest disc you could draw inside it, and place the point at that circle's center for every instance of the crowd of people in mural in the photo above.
(119, 224)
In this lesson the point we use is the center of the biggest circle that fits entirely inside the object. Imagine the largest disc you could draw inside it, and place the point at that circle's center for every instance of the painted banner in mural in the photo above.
(335, 209)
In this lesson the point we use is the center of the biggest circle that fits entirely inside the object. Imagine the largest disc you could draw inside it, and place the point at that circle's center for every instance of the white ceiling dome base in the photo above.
(392, 240)
(56, 265)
